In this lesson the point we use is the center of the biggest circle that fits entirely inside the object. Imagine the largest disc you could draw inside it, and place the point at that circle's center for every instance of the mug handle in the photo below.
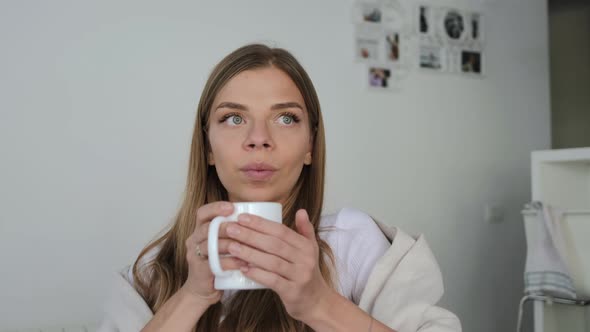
(213, 247)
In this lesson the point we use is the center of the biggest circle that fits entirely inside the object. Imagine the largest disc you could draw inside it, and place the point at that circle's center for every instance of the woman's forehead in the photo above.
(260, 87)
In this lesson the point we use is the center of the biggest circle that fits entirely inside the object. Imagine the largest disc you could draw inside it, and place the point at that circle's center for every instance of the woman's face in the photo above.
(259, 135)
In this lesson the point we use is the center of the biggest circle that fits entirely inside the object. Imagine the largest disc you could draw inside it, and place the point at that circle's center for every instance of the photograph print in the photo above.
(379, 77)
(431, 57)
(454, 24)
(471, 62)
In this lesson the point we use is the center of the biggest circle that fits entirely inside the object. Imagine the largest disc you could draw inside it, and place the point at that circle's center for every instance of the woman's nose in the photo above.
(259, 137)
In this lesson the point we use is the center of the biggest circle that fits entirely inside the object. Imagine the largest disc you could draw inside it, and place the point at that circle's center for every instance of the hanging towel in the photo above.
(546, 271)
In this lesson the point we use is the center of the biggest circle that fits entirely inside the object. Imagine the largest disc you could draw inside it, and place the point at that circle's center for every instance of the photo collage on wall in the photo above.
(450, 40)
(392, 41)
(382, 29)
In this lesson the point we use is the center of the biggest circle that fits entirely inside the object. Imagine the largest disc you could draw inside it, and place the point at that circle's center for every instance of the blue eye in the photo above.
(234, 119)
(287, 119)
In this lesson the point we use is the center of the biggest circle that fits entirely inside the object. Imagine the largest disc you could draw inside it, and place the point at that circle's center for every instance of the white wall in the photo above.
(97, 107)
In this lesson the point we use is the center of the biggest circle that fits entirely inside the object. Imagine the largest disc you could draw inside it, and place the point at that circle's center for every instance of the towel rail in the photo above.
(566, 212)
(548, 300)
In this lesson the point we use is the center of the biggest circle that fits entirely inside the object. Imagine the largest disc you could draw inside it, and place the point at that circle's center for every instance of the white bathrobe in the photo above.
(402, 291)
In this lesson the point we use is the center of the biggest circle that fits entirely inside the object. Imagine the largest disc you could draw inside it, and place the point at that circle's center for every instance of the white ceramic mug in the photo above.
(235, 279)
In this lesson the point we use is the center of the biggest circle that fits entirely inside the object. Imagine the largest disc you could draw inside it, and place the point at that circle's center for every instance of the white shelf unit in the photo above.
(561, 178)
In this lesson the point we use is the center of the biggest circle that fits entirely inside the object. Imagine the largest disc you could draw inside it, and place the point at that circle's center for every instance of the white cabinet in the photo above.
(561, 178)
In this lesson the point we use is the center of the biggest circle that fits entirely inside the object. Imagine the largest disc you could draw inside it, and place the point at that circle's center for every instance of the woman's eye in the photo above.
(286, 119)
(234, 120)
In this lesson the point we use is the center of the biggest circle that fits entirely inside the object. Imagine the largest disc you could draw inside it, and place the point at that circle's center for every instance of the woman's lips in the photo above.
(258, 175)
(258, 171)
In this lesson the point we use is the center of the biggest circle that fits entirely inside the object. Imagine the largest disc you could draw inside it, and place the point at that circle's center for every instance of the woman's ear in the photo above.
(307, 159)
(210, 158)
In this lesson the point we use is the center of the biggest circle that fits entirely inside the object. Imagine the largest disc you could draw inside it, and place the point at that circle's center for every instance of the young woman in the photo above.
(259, 136)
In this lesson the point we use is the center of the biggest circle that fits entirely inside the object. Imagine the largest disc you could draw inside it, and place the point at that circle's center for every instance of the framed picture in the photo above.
(425, 21)
(432, 57)
(453, 25)
(379, 78)
(471, 62)
(476, 27)
(367, 49)
(393, 46)
(367, 12)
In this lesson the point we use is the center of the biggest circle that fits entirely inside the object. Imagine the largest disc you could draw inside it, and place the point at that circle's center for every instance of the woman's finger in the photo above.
(223, 245)
(266, 261)
(209, 211)
(304, 226)
(193, 250)
(269, 279)
(263, 242)
(202, 231)
(273, 228)
(232, 263)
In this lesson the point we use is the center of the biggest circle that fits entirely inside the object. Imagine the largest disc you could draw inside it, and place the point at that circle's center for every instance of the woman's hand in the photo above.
(200, 278)
(281, 259)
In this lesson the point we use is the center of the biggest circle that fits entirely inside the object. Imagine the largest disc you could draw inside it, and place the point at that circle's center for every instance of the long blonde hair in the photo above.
(161, 277)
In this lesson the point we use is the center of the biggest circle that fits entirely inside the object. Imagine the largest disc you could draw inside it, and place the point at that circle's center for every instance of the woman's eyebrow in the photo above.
(231, 105)
(274, 107)
(281, 106)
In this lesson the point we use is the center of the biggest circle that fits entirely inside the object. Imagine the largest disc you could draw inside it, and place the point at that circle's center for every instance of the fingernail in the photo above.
(244, 218)
(234, 247)
(244, 269)
(233, 230)
(227, 206)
